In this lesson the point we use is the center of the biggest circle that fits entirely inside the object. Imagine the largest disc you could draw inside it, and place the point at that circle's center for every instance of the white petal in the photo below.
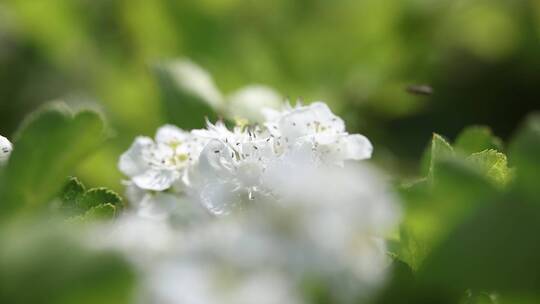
(156, 180)
(211, 160)
(357, 147)
(131, 162)
(169, 134)
(5, 149)
(322, 113)
(219, 197)
(309, 120)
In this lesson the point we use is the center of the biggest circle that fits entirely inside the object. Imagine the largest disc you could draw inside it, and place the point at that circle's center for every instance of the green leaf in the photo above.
(435, 207)
(188, 94)
(438, 149)
(399, 284)
(99, 196)
(495, 249)
(100, 212)
(85, 205)
(493, 165)
(476, 139)
(45, 263)
(71, 191)
(50, 144)
(69, 195)
(525, 156)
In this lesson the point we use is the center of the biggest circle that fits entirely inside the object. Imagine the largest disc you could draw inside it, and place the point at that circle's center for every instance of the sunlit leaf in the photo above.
(493, 165)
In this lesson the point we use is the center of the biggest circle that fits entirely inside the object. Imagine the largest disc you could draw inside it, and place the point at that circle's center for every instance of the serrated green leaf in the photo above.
(87, 205)
(71, 192)
(493, 165)
(438, 149)
(188, 94)
(50, 144)
(101, 212)
(476, 139)
(525, 156)
(98, 196)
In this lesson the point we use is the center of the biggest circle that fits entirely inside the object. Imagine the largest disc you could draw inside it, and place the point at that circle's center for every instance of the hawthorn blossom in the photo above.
(161, 164)
(5, 149)
(317, 125)
(230, 167)
(157, 171)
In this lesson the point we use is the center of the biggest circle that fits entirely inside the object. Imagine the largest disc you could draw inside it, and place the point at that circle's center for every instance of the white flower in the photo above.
(159, 165)
(5, 149)
(230, 167)
(327, 230)
(317, 125)
(344, 212)
(144, 241)
(195, 282)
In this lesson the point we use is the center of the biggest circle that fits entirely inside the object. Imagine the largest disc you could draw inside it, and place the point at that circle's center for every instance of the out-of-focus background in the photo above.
(480, 57)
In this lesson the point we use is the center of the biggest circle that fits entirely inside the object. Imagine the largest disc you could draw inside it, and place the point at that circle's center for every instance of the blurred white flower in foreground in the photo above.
(327, 231)
(5, 149)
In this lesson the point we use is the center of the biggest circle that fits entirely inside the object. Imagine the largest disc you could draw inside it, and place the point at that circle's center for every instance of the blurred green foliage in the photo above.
(43, 262)
(45, 258)
(469, 232)
(471, 228)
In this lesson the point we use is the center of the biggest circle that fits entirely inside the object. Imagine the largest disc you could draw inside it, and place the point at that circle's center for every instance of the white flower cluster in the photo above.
(224, 169)
(5, 149)
(313, 219)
